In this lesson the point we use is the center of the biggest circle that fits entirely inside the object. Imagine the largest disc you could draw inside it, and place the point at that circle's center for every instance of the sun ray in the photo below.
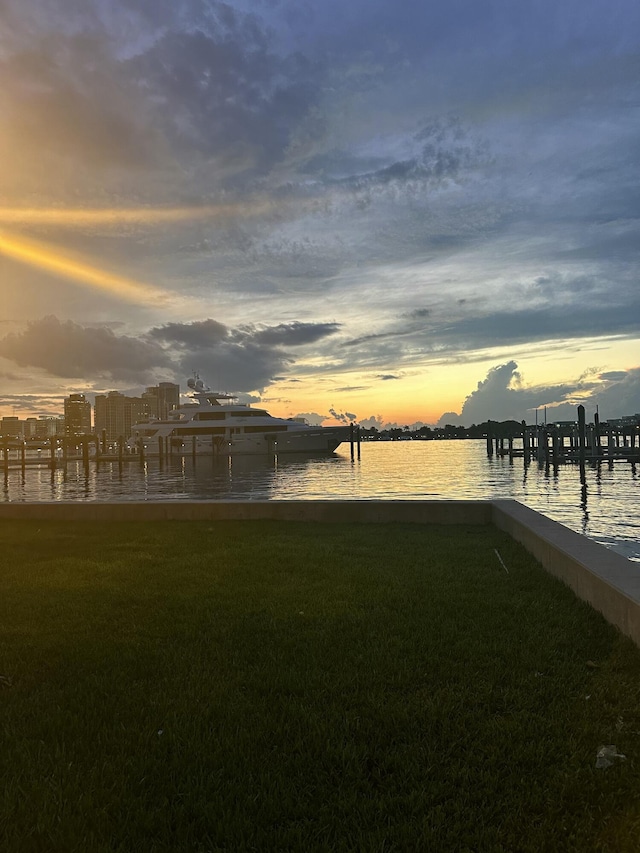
(51, 259)
(78, 216)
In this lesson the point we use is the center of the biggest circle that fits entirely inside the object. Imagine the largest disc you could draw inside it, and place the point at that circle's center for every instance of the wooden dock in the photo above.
(56, 453)
(555, 444)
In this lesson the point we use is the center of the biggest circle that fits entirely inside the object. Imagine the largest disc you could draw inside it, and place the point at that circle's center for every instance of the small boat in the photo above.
(216, 424)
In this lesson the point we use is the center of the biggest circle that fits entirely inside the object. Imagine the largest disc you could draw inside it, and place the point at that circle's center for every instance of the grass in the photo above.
(288, 686)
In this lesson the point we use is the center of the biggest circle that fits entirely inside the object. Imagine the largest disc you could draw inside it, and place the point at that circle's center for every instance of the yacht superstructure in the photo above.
(216, 424)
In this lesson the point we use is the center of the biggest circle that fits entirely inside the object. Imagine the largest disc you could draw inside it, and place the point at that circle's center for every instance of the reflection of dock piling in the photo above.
(57, 453)
(568, 441)
(354, 439)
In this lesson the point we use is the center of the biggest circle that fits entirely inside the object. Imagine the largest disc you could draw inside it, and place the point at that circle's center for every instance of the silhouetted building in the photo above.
(49, 427)
(11, 426)
(162, 399)
(46, 426)
(114, 414)
(77, 415)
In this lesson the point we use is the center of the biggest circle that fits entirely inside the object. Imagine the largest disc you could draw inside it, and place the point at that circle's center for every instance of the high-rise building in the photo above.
(114, 414)
(168, 396)
(48, 426)
(11, 426)
(77, 415)
(162, 399)
(150, 397)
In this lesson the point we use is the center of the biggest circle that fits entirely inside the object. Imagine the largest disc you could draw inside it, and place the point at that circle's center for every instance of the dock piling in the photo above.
(490, 439)
(582, 435)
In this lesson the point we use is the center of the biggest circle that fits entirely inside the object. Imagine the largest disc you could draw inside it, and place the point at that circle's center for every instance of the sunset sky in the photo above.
(395, 211)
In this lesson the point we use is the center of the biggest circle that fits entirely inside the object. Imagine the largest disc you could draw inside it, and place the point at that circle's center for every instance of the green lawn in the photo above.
(278, 686)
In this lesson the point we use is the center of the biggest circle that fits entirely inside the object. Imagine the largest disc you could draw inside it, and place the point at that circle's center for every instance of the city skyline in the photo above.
(390, 213)
(153, 410)
(112, 414)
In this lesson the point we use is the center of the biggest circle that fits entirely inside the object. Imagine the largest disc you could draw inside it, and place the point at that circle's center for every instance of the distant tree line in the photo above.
(500, 429)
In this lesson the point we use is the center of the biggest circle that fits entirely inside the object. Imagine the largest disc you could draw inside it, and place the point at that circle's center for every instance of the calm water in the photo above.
(606, 509)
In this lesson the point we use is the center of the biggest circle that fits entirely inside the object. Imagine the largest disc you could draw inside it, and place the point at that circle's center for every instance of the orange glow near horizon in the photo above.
(52, 260)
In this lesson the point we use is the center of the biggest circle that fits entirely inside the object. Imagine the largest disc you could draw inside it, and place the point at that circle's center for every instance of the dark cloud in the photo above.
(561, 319)
(236, 359)
(343, 417)
(200, 333)
(68, 349)
(365, 339)
(418, 314)
(69, 91)
(223, 92)
(409, 325)
(243, 358)
(203, 333)
(494, 397)
(200, 95)
(293, 334)
(235, 365)
(620, 397)
(32, 404)
(614, 375)
(540, 324)
(385, 377)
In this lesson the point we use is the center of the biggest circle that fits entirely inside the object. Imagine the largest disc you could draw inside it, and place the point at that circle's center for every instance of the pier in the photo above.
(568, 441)
(54, 453)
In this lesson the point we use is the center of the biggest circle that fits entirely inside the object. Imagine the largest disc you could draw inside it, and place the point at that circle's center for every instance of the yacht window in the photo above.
(203, 430)
(265, 429)
(209, 416)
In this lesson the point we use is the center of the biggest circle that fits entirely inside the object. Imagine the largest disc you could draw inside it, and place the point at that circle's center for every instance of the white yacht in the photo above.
(216, 424)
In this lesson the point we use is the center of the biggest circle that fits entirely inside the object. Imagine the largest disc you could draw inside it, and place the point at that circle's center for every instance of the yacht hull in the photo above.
(323, 440)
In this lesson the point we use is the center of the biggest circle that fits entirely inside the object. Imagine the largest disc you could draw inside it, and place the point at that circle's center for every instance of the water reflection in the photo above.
(583, 498)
